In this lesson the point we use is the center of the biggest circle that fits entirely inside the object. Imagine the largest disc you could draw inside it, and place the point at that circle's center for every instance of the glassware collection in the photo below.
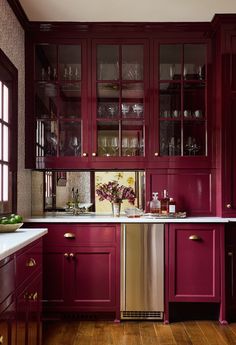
(110, 109)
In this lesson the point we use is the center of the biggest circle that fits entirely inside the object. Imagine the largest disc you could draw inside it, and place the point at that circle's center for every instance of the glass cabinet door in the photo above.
(119, 111)
(181, 103)
(58, 106)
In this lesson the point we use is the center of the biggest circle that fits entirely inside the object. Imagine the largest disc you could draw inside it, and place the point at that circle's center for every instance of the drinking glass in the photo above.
(114, 145)
(75, 145)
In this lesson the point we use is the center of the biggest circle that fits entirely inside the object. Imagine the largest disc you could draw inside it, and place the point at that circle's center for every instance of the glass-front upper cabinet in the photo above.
(58, 102)
(120, 107)
(180, 109)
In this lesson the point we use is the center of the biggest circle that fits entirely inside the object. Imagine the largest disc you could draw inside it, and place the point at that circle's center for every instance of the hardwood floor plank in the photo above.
(101, 335)
(195, 333)
(84, 334)
(210, 333)
(226, 333)
(232, 326)
(138, 333)
(180, 335)
(164, 334)
(148, 333)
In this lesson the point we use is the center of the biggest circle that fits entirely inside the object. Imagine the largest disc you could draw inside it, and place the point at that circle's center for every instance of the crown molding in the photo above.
(19, 13)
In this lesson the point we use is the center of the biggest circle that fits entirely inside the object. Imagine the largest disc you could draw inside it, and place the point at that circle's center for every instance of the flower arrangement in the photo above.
(114, 192)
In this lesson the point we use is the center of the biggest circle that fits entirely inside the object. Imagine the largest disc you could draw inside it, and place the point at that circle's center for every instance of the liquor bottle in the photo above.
(155, 204)
(165, 203)
(172, 207)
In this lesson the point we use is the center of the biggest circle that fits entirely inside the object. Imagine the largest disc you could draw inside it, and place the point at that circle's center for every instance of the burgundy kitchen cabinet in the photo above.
(192, 189)
(57, 105)
(195, 265)
(230, 264)
(29, 294)
(81, 268)
(7, 302)
(120, 83)
(97, 99)
(225, 76)
(181, 106)
(20, 296)
(28, 312)
(7, 321)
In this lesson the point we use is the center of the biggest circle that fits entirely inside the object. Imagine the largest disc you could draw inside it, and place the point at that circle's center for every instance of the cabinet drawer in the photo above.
(6, 277)
(71, 234)
(28, 262)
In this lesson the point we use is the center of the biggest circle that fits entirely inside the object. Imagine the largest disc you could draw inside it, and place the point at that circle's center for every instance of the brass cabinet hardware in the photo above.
(69, 235)
(194, 238)
(72, 255)
(34, 296)
(156, 154)
(26, 295)
(228, 206)
(1, 339)
(66, 255)
(31, 262)
(85, 154)
(94, 154)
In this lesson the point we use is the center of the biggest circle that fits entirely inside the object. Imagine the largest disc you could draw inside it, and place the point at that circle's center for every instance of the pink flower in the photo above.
(113, 192)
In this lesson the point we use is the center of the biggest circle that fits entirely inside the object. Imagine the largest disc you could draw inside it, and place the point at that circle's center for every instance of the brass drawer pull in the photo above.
(1, 339)
(69, 235)
(31, 263)
(194, 238)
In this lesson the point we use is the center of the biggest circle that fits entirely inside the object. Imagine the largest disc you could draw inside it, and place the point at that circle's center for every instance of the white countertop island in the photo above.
(11, 242)
(55, 217)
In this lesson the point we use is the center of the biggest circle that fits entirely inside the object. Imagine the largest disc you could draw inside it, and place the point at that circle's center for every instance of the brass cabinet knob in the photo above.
(69, 235)
(156, 154)
(72, 255)
(194, 238)
(66, 255)
(1, 339)
(34, 296)
(84, 154)
(94, 154)
(228, 206)
(31, 262)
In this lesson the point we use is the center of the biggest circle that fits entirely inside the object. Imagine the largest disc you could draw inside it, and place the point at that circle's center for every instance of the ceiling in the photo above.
(126, 10)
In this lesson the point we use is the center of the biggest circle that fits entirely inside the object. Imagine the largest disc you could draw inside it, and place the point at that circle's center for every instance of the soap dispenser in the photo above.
(155, 204)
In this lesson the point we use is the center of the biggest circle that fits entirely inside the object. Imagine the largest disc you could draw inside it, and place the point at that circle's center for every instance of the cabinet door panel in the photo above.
(194, 263)
(94, 277)
(54, 276)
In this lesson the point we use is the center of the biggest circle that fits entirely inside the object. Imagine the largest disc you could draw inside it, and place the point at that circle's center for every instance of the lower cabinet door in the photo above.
(93, 278)
(7, 321)
(230, 262)
(55, 275)
(194, 263)
(28, 313)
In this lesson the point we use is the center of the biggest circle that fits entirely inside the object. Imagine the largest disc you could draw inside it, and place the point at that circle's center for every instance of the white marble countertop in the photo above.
(11, 242)
(99, 218)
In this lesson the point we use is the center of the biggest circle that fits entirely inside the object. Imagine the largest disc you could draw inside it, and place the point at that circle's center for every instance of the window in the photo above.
(8, 135)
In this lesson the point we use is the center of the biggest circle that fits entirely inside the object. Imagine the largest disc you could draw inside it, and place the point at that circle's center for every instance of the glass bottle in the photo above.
(155, 204)
(172, 207)
(165, 203)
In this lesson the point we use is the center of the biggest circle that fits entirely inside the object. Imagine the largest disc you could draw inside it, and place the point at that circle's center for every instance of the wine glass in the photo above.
(114, 145)
(133, 146)
(75, 145)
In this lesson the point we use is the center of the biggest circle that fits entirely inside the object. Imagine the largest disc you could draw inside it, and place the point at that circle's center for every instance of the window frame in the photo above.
(9, 77)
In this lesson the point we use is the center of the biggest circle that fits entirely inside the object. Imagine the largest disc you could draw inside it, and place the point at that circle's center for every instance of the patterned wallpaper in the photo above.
(12, 42)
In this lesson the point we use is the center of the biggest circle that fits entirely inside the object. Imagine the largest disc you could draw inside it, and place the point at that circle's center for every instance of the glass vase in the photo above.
(116, 209)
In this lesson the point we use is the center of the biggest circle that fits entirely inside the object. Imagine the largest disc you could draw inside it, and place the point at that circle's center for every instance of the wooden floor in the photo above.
(137, 333)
